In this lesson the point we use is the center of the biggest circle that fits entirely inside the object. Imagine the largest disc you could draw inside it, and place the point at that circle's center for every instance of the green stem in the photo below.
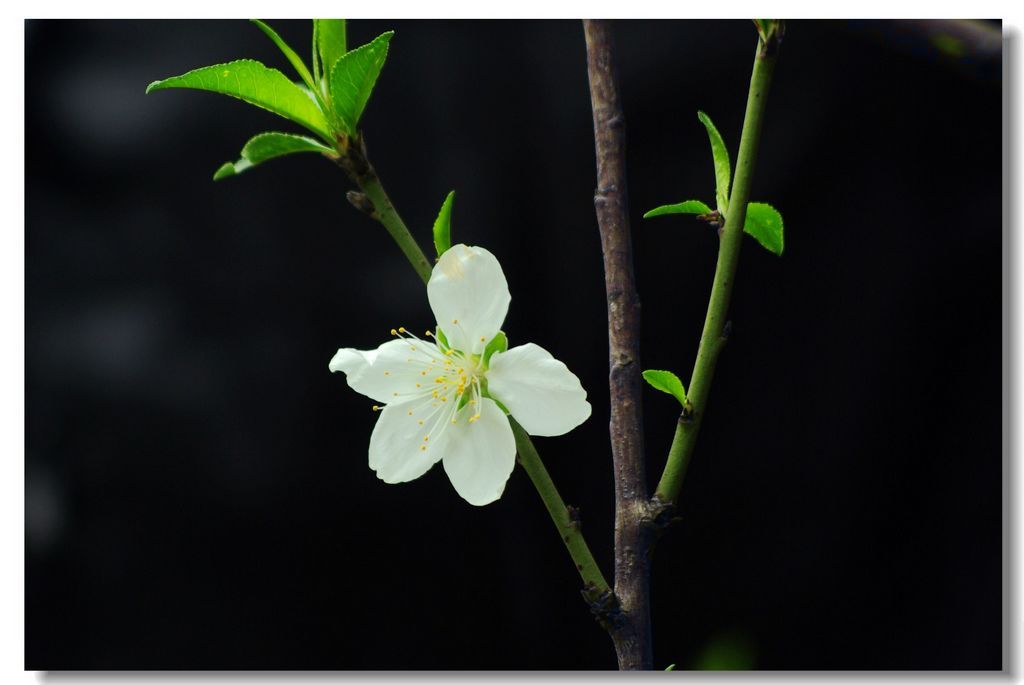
(714, 335)
(568, 527)
(387, 215)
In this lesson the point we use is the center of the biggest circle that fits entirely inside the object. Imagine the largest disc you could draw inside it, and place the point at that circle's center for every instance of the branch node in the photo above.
(659, 517)
(361, 202)
(575, 522)
(604, 606)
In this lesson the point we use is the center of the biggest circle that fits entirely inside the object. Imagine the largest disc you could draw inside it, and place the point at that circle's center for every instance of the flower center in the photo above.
(450, 378)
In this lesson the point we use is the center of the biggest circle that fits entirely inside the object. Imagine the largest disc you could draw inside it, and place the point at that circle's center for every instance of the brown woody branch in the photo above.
(632, 632)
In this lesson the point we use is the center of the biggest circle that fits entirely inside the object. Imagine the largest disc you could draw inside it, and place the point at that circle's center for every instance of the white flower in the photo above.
(442, 400)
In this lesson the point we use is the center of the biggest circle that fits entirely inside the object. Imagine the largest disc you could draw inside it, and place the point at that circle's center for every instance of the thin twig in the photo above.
(632, 636)
(715, 331)
(377, 204)
(566, 520)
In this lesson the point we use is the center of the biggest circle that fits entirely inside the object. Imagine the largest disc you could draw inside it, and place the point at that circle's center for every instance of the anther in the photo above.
(376, 408)
(394, 332)
(401, 329)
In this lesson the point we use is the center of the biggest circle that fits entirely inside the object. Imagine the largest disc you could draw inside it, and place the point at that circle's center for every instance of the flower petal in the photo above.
(469, 296)
(398, 450)
(390, 373)
(540, 391)
(480, 455)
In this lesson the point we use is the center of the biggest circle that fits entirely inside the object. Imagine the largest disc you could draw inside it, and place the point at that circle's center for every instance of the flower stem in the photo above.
(568, 526)
(353, 160)
(387, 215)
(714, 336)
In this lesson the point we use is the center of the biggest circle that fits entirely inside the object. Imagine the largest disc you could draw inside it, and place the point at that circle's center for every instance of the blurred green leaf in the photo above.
(765, 223)
(727, 653)
(671, 667)
(329, 42)
(723, 168)
(268, 146)
(667, 382)
(688, 207)
(296, 61)
(252, 82)
(353, 77)
(443, 226)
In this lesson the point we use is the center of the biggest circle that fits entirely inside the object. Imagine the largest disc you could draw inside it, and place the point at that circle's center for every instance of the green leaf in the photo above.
(353, 77)
(268, 146)
(723, 169)
(443, 226)
(765, 223)
(667, 382)
(671, 667)
(499, 343)
(441, 338)
(297, 63)
(688, 207)
(329, 42)
(250, 81)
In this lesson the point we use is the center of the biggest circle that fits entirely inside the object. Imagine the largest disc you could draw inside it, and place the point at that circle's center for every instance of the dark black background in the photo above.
(197, 487)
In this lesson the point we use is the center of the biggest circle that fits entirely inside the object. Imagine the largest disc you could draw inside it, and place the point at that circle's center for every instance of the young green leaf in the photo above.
(268, 146)
(316, 56)
(250, 81)
(329, 42)
(499, 343)
(353, 77)
(723, 168)
(296, 61)
(667, 382)
(443, 226)
(688, 207)
(765, 223)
